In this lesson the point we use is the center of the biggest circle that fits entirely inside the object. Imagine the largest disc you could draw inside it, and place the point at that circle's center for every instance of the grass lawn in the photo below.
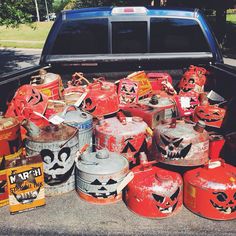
(25, 36)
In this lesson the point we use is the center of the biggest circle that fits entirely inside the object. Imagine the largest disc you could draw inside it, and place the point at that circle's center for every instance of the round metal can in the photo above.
(49, 84)
(128, 137)
(58, 146)
(181, 144)
(210, 191)
(81, 120)
(154, 192)
(165, 103)
(98, 175)
(10, 138)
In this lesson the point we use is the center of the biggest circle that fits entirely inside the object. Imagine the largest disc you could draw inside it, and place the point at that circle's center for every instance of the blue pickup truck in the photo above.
(113, 42)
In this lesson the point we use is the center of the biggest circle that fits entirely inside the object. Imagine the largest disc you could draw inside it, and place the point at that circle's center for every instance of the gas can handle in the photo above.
(67, 109)
(125, 182)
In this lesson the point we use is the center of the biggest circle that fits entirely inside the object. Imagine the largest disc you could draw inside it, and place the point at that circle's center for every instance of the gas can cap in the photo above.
(102, 154)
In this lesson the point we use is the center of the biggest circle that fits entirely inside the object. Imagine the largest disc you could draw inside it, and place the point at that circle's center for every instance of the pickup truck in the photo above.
(113, 42)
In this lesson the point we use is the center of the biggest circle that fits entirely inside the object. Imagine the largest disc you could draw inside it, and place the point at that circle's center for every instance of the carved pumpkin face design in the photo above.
(172, 148)
(166, 204)
(212, 115)
(28, 99)
(58, 166)
(99, 189)
(224, 202)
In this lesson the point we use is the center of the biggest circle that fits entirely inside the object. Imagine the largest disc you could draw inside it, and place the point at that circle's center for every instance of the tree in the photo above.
(12, 13)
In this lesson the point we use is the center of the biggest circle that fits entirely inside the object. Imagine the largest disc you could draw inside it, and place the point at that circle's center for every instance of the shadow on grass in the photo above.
(14, 59)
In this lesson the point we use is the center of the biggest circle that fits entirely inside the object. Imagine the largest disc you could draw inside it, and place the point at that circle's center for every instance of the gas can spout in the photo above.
(32, 129)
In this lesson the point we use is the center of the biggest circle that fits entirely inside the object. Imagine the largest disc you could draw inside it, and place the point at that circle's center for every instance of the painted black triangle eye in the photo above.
(216, 113)
(127, 147)
(102, 188)
(175, 195)
(132, 90)
(165, 141)
(158, 198)
(96, 182)
(235, 196)
(111, 181)
(123, 88)
(177, 142)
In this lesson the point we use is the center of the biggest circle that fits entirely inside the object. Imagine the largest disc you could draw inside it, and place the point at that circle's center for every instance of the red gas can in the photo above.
(181, 144)
(212, 115)
(210, 191)
(101, 99)
(152, 116)
(154, 192)
(26, 101)
(193, 81)
(157, 78)
(128, 138)
(49, 84)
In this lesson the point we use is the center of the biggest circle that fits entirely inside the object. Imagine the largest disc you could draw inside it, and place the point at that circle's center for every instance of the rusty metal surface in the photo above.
(180, 145)
(58, 158)
(129, 139)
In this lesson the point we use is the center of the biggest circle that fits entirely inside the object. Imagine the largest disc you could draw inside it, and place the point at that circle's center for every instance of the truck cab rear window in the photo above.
(88, 36)
(129, 37)
(176, 35)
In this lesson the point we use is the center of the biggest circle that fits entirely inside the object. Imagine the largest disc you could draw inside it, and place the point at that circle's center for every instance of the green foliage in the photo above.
(12, 13)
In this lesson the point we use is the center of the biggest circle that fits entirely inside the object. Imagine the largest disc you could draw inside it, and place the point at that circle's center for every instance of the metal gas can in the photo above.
(154, 192)
(165, 103)
(10, 138)
(212, 115)
(49, 84)
(152, 116)
(193, 81)
(181, 143)
(57, 144)
(25, 183)
(98, 176)
(157, 78)
(210, 191)
(81, 120)
(101, 99)
(26, 101)
(128, 137)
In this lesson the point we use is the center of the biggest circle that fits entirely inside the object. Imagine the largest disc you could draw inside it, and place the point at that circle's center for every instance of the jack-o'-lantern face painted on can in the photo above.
(193, 81)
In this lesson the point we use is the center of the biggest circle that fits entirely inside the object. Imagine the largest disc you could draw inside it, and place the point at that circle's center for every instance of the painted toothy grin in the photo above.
(174, 155)
(225, 210)
(28, 197)
(167, 209)
(207, 120)
(102, 195)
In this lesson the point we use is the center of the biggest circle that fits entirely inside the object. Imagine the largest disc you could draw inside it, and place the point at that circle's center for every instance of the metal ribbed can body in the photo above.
(97, 179)
(59, 163)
